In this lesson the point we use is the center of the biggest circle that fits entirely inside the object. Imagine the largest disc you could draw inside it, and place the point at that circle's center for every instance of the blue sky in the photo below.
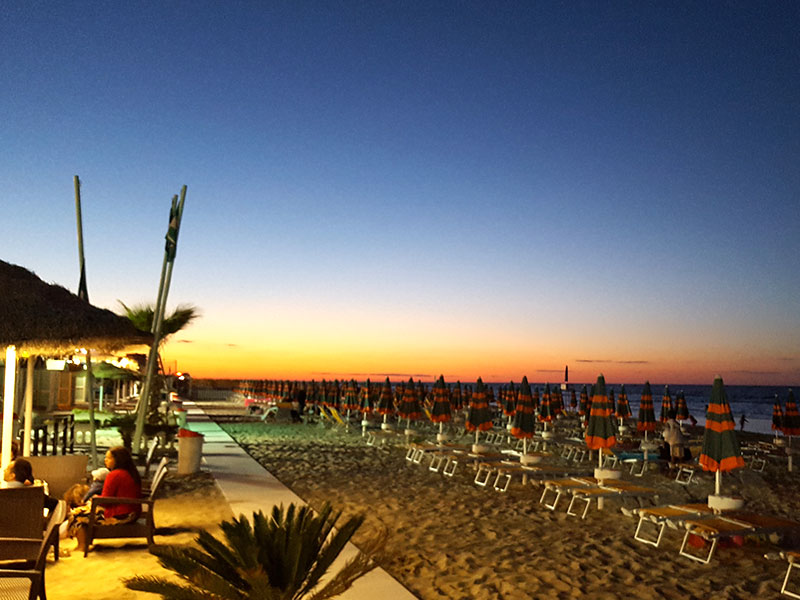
(492, 188)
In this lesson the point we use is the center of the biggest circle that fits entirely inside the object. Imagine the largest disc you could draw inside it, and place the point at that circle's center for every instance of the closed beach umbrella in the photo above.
(791, 418)
(523, 424)
(441, 403)
(573, 401)
(366, 398)
(623, 410)
(583, 407)
(611, 402)
(720, 447)
(456, 400)
(647, 414)
(600, 432)
(509, 398)
(682, 409)
(350, 401)
(666, 405)
(479, 417)
(536, 402)
(385, 404)
(777, 416)
(546, 407)
(409, 405)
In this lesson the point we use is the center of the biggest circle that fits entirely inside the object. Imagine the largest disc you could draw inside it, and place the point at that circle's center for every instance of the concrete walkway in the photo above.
(248, 488)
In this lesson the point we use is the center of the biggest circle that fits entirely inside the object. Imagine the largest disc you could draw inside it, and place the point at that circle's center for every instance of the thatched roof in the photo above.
(45, 319)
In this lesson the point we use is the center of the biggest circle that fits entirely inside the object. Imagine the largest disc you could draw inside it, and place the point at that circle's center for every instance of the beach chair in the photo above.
(28, 582)
(793, 558)
(561, 486)
(609, 488)
(143, 527)
(732, 523)
(671, 515)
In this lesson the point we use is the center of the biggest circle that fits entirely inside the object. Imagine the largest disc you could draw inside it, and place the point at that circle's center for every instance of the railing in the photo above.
(55, 429)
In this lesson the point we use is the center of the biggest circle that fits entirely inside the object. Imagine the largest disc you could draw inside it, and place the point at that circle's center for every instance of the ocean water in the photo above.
(755, 402)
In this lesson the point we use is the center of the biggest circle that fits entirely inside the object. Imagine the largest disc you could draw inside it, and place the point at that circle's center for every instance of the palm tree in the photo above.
(141, 315)
(280, 558)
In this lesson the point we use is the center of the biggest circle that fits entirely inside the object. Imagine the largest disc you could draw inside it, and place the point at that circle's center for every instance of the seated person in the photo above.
(19, 473)
(122, 481)
(98, 481)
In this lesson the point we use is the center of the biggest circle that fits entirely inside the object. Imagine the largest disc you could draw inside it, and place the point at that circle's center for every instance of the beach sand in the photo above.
(451, 539)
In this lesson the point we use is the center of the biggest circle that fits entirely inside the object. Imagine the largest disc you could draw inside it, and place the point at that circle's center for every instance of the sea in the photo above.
(755, 402)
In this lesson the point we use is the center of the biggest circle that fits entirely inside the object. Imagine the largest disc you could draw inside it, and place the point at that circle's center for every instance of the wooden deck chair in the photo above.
(143, 527)
(662, 516)
(794, 559)
(729, 524)
(29, 582)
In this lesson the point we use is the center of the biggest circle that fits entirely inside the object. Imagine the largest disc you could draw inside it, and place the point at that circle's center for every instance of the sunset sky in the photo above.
(490, 189)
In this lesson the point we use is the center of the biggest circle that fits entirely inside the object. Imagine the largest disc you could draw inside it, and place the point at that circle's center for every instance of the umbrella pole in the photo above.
(524, 446)
(789, 453)
(717, 482)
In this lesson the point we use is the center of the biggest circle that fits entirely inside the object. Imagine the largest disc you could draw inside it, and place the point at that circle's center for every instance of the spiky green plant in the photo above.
(142, 315)
(278, 558)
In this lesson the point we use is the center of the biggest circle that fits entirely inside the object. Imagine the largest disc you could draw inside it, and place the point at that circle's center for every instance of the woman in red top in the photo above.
(123, 481)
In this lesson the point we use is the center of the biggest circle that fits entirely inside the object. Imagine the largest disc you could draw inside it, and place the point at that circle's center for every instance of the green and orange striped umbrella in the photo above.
(721, 450)
(350, 401)
(623, 410)
(600, 432)
(573, 400)
(682, 410)
(777, 416)
(456, 399)
(366, 398)
(536, 402)
(546, 413)
(479, 417)
(386, 400)
(524, 420)
(409, 408)
(611, 402)
(647, 414)
(509, 398)
(585, 404)
(791, 418)
(666, 405)
(441, 403)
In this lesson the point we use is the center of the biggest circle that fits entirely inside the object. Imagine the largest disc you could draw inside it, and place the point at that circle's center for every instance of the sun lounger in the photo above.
(733, 523)
(794, 560)
(505, 470)
(608, 488)
(672, 515)
(561, 486)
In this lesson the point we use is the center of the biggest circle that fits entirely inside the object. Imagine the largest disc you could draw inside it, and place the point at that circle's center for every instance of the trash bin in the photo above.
(190, 451)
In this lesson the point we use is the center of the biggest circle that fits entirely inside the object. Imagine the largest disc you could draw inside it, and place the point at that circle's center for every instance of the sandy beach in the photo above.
(452, 539)
(448, 538)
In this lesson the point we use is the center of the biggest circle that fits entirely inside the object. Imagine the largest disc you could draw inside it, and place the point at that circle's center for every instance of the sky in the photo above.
(409, 189)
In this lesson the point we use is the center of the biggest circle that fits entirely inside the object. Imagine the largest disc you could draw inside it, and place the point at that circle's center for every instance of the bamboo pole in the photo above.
(158, 320)
(83, 292)
(8, 405)
(26, 436)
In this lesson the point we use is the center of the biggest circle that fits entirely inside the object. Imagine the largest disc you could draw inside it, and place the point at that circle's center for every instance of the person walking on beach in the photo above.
(742, 421)
(674, 437)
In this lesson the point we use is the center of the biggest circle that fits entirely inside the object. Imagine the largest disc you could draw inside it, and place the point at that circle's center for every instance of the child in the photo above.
(98, 479)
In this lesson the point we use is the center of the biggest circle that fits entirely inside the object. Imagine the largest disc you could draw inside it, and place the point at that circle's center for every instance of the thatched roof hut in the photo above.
(45, 319)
